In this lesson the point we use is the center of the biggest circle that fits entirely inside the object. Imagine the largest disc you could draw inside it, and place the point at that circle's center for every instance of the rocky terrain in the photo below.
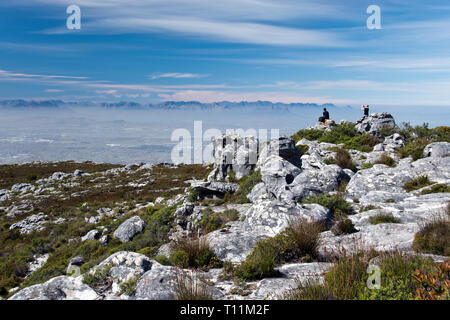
(235, 229)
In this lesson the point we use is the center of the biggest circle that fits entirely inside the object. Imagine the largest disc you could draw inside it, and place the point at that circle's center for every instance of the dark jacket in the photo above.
(326, 115)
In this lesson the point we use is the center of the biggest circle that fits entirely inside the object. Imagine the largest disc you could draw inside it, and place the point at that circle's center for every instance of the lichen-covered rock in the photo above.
(91, 235)
(59, 288)
(129, 228)
(374, 123)
(264, 219)
(159, 284)
(291, 275)
(437, 149)
(233, 152)
(383, 180)
(124, 266)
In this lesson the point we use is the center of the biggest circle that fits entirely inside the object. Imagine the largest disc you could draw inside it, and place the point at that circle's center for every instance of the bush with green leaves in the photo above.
(347, 279)
(434, 236)
(417, 183)
(334, 202)
(299, 242)
(366, 165)
(344, 133)
(386, 160)
(437, 188)
(193, 252)
(418, 137)
(212, 221)
(246, 185)
(303, 148)
(343, 226)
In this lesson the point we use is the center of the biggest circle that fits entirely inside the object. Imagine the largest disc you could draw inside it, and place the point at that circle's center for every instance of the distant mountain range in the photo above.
(168, 105)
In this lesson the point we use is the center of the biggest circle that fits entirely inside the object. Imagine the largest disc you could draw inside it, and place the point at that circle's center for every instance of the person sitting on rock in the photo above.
(366, 110)
(326, 115)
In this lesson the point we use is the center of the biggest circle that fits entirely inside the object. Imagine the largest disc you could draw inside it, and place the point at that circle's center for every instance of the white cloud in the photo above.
(176, 75)
(53, 90)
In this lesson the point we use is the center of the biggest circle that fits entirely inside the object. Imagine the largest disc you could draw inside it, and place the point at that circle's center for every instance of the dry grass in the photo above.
(344, 160)
(188, 286)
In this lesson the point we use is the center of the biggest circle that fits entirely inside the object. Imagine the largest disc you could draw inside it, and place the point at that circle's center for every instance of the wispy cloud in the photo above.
(12, 75)
(176, 75)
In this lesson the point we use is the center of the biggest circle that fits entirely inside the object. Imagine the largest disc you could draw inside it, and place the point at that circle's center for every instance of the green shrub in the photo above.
(437, 188)
(303, 148)
(192, 195)
(386, 160)
(383, 218)
(192, 252)
(329, 161)
(368, 208)
(344, 160)
(347, 279)
(418, 137)
(212, 221)
(300, 241)
(434, 237)
(397, 277)
(259, 264)
(98, 278)
(308, 134)
(366, 165)
(165, 261)
(129, 287)
(417, 183)
(335, 203)
(246, 185)
(343, 226)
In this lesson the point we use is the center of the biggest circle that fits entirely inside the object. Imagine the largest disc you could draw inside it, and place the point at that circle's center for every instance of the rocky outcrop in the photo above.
(264, 219)
(374, 123)
(91, 235)
(437, 149)
(233, 153)
(35, 222)
(59, 288)
(129, 228)
(382, 182)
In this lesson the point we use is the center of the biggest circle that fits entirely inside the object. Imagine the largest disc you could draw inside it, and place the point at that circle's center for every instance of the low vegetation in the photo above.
(334, 202)
(418, 137)
(193, 252)
(402, 279)
(434, 236)
(437, 188)
(344, 160)
(212, 221)
(417, 183)
(188, 286)
(386, 160)
(343, 226)
(344, 133)
(299, 242)
(383, 218)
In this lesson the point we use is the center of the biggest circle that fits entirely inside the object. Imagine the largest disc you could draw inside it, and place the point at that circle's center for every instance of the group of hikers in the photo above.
(326, 115)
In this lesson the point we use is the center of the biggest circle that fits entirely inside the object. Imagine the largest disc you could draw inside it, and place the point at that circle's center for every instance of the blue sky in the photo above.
(207, 50)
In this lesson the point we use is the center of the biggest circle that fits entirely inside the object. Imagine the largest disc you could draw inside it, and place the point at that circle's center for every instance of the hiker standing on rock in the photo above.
(366, 110)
